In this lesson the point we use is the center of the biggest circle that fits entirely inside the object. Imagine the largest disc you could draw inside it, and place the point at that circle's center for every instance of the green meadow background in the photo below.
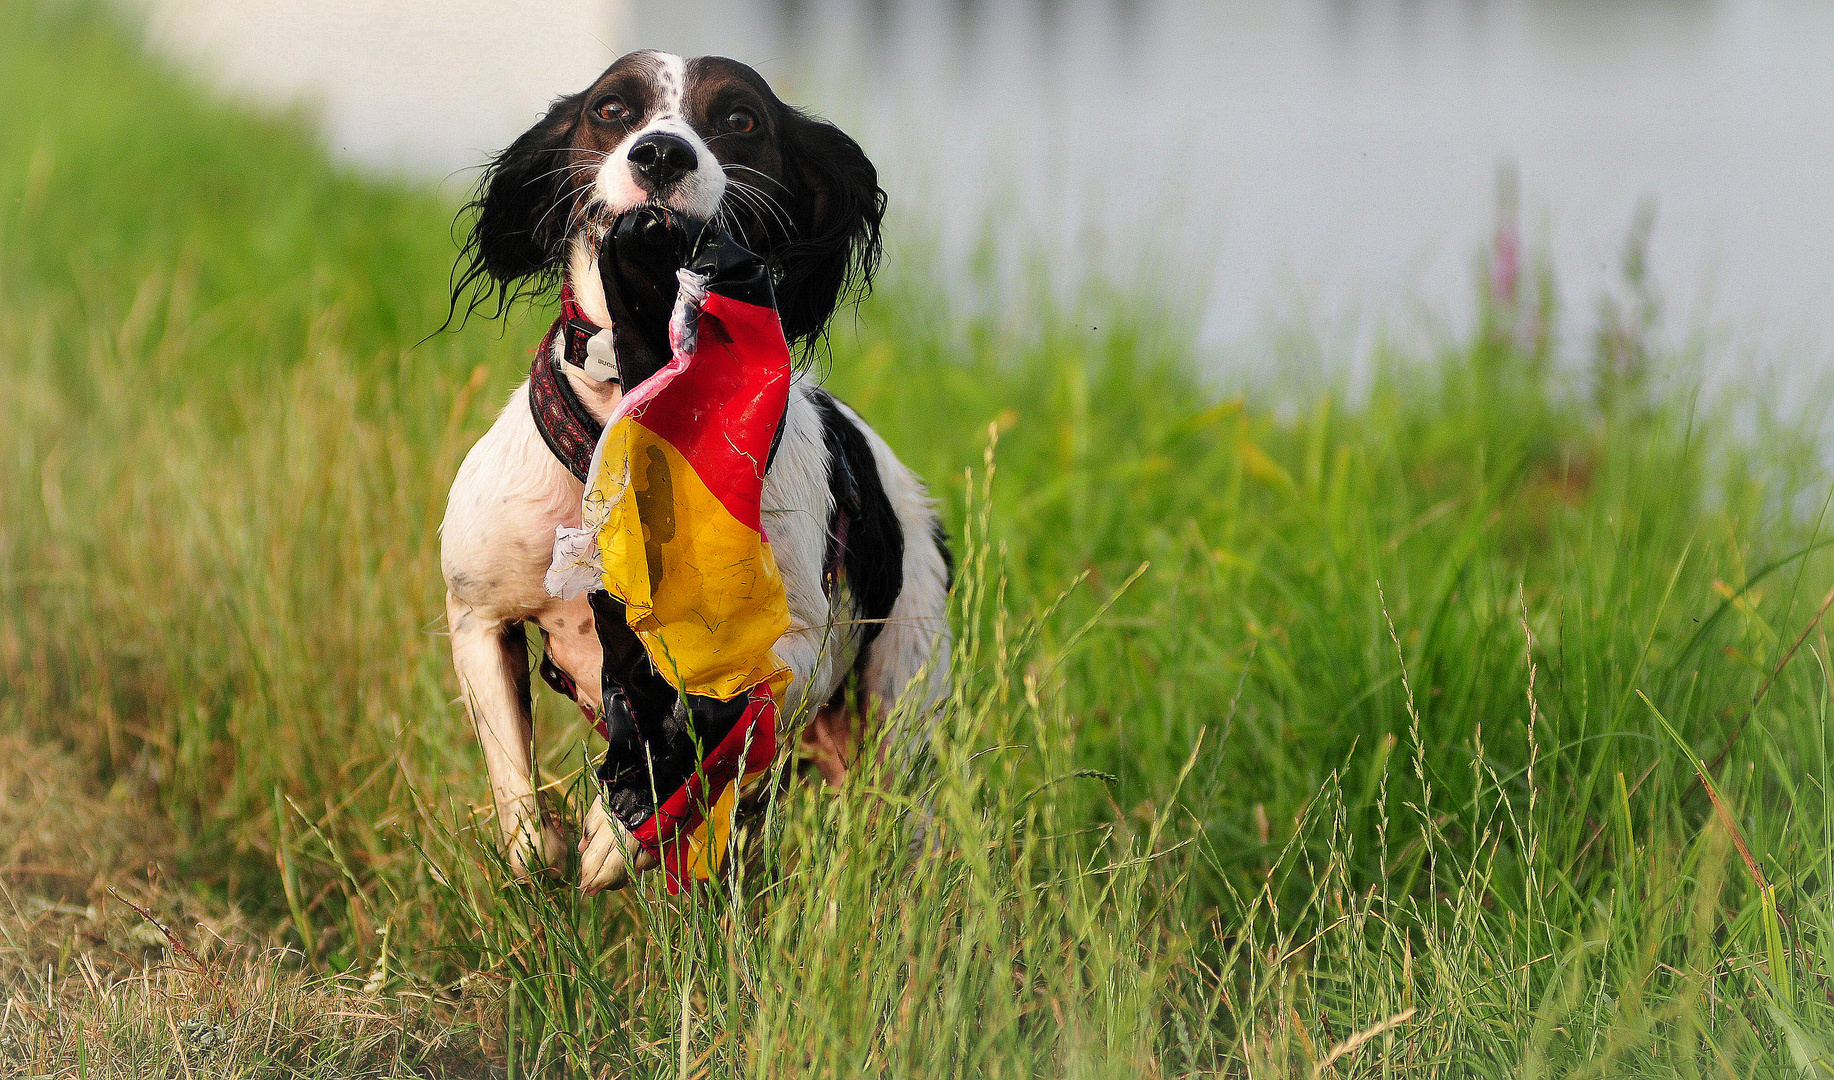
(1471, 722)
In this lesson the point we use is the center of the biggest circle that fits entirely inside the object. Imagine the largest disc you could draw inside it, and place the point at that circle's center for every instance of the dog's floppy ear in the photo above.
(838, 212)
(517, 230)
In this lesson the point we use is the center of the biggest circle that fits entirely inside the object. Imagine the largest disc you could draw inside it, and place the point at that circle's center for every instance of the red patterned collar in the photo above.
(566, 425)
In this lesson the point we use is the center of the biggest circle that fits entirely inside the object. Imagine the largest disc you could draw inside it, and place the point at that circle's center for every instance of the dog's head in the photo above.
(706, 138)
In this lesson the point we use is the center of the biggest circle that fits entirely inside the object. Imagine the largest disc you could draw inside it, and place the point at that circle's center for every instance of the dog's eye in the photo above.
(741, 121)
(613, 109)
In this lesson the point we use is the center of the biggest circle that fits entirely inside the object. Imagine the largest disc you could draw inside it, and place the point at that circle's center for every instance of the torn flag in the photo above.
(673, 531)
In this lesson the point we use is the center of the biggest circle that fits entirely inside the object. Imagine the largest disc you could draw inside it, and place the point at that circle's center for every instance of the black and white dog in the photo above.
(854, 533)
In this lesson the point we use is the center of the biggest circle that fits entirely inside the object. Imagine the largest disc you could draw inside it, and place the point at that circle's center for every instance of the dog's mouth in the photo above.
(598, 222)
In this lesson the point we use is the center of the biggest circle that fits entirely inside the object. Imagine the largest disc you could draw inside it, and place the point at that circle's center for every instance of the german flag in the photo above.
(673, 503)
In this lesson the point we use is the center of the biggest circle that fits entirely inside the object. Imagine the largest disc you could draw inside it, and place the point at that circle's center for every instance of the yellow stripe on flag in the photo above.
(700, 588)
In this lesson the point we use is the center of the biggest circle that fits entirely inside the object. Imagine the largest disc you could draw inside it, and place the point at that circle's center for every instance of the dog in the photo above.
(864, 559)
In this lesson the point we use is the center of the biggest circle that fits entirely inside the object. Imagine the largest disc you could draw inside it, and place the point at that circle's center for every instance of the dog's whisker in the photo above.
(755, 189)
(723, 218)
(567, 168)
(572, 202)
(761, 203)
(761, 195)
(739, 198)
(729, 165)
(758, 200)
(543, 219)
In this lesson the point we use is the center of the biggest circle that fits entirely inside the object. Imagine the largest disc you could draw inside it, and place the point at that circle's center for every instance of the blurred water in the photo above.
(1322, 165)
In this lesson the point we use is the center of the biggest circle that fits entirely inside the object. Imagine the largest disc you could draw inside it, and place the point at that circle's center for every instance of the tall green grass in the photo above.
(1386, 762)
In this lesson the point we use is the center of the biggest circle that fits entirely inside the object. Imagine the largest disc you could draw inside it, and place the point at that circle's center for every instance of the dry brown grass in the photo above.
(112, 966)
(63, 835)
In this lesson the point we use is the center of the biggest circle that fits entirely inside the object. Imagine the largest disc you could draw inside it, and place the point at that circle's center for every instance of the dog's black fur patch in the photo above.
(939, 535)
(838, 209)
(873, 558)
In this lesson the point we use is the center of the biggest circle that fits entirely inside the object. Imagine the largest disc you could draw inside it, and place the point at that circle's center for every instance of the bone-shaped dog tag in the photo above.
(601, 363)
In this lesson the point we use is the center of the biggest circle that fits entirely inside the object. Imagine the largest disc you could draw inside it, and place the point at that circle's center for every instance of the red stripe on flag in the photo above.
(721, 414)
(749, 747)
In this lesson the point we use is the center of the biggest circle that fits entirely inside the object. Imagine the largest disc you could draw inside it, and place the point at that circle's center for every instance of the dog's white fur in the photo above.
(511, 494)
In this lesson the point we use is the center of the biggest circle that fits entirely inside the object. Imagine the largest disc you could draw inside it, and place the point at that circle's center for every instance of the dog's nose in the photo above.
(658, 160)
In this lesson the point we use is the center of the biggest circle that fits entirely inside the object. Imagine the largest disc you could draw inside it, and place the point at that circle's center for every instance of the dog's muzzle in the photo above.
(660, 159)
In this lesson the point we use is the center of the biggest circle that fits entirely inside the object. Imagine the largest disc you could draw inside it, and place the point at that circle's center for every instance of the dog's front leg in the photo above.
(492, 660)
(609, 856)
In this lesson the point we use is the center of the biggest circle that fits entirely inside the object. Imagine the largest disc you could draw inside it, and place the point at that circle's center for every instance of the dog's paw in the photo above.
(537, 849)
(609, 856)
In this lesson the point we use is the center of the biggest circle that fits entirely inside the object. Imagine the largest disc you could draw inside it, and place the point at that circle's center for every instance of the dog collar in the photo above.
(585, 344)
(565, 424)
